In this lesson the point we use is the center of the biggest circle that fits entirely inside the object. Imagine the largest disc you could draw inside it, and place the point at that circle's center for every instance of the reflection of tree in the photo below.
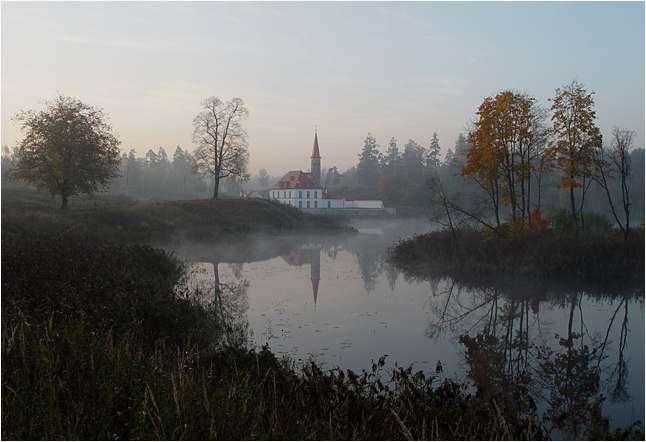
(451, 311)
(230, 300)
(572, 377)
(391, 274)
(499, 357)
(510, 359)
(370, 253)
(227, 301)
(368, 266)
(619, 373)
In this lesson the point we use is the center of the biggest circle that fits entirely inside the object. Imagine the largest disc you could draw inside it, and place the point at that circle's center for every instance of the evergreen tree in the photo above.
(368, 167)
(151, 160)
(433, 157)
(392, 159)
(180, 163)
(333, 177)
(449, 158)
(413, 159)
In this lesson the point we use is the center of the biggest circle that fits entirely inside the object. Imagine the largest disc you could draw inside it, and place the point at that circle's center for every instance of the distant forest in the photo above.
(398, 177)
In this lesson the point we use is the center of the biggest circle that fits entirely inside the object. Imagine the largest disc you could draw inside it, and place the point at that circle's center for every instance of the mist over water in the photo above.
(337, 300)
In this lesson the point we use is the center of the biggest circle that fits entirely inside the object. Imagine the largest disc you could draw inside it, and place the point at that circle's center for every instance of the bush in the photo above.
(124, 289)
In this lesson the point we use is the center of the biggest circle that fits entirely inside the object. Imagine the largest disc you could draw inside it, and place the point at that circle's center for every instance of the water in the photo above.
(338, 301)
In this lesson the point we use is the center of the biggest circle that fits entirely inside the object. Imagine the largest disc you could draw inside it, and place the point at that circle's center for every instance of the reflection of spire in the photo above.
(310, 253)
(315, 272)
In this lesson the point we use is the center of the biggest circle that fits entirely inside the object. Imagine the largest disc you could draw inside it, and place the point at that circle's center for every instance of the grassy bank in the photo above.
(125, 219)
(473, 257)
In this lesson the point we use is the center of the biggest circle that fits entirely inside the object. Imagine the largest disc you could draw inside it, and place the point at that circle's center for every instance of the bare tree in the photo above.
(448, 211)
(614, 163)
(222, 142)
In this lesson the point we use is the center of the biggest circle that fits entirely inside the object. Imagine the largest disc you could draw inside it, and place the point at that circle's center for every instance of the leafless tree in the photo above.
(222, 142)
(613, 164)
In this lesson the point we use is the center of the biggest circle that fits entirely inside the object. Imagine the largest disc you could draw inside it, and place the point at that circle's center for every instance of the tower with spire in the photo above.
(316, 161)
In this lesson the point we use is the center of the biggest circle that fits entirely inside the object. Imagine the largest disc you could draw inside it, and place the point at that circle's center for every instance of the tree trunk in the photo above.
(64, 200)
(216, 187)
(573, 207)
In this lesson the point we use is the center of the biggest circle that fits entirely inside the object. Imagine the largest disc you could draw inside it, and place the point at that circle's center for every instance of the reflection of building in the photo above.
(308, 254)
(304, 190)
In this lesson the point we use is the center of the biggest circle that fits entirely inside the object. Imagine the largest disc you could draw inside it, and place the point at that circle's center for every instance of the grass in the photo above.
(125, 219)
(599, 260)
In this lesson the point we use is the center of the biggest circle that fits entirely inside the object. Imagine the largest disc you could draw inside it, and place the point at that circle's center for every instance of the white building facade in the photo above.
(303, 189)
(298, 189)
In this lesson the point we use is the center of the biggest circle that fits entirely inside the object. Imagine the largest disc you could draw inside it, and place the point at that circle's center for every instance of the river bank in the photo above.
(472, 257)
(126, 219)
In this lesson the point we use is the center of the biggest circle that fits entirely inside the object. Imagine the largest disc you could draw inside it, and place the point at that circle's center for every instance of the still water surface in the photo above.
(337, 300)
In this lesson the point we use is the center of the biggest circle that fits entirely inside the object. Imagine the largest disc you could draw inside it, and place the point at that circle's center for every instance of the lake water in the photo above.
(337, 300)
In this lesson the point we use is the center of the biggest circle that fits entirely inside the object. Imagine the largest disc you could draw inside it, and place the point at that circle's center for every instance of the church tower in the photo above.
(316, 161)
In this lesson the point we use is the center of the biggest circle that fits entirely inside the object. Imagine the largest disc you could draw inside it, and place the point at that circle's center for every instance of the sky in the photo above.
(392, 69)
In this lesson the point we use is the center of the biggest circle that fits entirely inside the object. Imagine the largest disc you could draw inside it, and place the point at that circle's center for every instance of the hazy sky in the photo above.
(394, 69)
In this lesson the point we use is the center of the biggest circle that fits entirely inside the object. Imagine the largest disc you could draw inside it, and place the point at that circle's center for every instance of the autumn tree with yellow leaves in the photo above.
(506, 142)
(575, 139)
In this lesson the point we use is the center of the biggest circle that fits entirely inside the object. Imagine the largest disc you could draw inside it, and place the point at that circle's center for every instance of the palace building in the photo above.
(304, 191)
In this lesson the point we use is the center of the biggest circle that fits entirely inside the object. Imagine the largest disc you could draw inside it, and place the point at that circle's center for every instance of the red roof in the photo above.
(328, 194)
(296, 179)
(315, 150)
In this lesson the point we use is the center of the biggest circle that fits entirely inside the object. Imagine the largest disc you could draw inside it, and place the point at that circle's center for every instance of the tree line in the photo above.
(515, 155)
(69, 149)
(515, 159)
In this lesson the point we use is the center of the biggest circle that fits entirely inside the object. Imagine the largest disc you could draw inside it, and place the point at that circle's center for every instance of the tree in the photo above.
(616, 161)
(433, 157)
(449, 158)
(152, 160)
(462, 147)
(162, 159)
(181, 162)
(68, 149)
(263, 178)
(500, 157)
(413, 160)
(332, 178)
(222, 142)
(391, 160)
(575, 138)
(368, 167)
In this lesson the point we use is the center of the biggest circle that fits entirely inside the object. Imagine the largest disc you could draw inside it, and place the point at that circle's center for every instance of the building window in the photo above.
(308, 204)
(300, 204)
(290, 193)
(308, 193)
(329, 204)
(300, 194)
(316, 194)
(316, 204)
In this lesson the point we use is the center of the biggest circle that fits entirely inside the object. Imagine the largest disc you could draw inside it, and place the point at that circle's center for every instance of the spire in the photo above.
(316, 160)
(315, 150)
